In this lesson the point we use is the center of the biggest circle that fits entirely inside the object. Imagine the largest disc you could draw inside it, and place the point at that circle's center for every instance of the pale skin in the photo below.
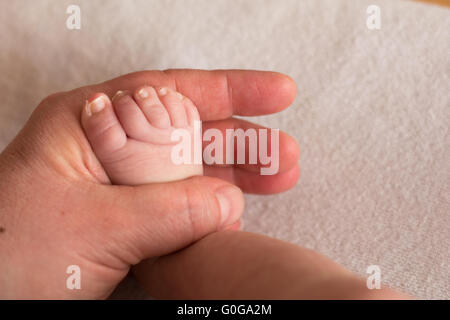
(130, 134)
(58, 207)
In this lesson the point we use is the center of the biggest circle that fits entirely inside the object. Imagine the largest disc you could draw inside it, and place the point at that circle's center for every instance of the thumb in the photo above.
(161, 218)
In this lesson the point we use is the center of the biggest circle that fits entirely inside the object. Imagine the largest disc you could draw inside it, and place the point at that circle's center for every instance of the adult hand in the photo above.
(57, 209)
(237, 265)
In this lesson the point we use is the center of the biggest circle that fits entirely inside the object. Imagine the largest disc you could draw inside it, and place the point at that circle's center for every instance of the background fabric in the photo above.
(372, 116)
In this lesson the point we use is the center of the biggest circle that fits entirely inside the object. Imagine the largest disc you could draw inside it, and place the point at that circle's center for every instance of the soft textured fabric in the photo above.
(372, 115)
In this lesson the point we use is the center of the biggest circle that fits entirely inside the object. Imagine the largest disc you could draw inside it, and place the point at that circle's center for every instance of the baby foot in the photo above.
(131, 135)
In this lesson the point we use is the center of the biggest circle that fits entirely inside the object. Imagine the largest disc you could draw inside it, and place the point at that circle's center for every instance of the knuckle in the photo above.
(202, 211)
(50, 99)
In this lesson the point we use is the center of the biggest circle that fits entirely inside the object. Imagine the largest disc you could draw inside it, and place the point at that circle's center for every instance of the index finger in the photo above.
(218, 94)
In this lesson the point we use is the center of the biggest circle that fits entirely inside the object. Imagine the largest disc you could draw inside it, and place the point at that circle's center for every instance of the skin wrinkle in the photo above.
(59, 166)
(110, 218)
(193, 191)
(258, 90)
(230, 94)
(233, 172)
(92, 165)
(175, 85)
(188, 191)
(201, 93)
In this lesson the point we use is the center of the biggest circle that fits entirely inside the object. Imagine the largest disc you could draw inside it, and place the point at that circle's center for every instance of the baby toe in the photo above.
(173, 101)
(131, 116)
(191, 111)
(153, 109)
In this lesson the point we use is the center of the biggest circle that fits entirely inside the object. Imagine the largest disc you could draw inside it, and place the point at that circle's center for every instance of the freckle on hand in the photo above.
(2, 229)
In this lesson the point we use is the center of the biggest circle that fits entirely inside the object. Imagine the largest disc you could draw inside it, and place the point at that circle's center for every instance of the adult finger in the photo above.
(283, 157)
(252, 182)
(153, 220)
(218, 94)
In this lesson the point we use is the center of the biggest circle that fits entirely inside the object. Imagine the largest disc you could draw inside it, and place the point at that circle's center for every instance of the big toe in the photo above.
(102, 127)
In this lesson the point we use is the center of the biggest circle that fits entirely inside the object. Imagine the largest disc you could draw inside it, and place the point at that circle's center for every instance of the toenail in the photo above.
(118, 95)
(163, 91)
(95, 106)
(143, 93)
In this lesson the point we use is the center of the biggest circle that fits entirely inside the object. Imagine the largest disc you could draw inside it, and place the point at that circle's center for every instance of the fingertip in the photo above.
(286, 180)
(238, 225)
(287, 90)
(295, 175)
(290, 150)
(271, 92)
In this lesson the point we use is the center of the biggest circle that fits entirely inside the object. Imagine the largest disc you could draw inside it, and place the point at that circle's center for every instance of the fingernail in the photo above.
(235, 226)
(163, 91)
(118, 94)
(143, 93)
(95, 106)
(230, 203)
(179, 96)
